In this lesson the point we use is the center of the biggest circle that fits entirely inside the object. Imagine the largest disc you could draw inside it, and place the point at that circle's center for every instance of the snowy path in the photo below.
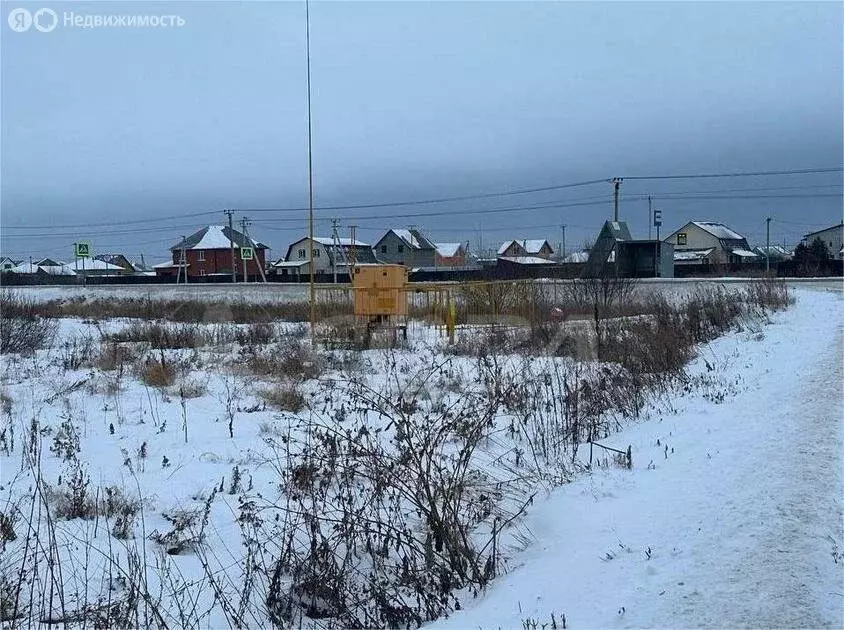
(732, 527)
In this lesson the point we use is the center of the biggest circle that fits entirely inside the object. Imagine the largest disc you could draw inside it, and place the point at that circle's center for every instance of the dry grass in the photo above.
(284, 397)
(157, 372)
(23, 326)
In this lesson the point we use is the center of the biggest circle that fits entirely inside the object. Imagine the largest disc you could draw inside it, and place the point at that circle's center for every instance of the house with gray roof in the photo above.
(406, 247)
(328, 255)
(526, 247)
(709, 242)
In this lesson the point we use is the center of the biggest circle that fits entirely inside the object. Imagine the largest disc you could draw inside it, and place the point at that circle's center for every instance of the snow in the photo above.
(93, 264)
(745, 253)
(408, 237)
(692, 254)
(731, 514)
(167, 264)
(213, 239)
(447, 250)
(718, 230)
(25, 268)
(345, 242)
(528, 260)
(727, 527)
(577, 257)
(531, 246)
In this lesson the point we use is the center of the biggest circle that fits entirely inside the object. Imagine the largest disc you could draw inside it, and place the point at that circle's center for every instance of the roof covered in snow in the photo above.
(414, 238)
(94, 264)
(718, 230)
(216, 237)
(447, 250)
(527, 260)
(344, 242)
(744, 253)
(530, 245)
(692, 254)
(577, 257)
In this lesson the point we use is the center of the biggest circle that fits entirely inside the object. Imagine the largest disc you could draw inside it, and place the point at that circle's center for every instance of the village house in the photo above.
(119, 260)
(45, 267)
(452, 254)
(328, 256)
(708, 243)
(209, 252)
(833, 237)
(7, 264)
(534, 248)
(406, 247)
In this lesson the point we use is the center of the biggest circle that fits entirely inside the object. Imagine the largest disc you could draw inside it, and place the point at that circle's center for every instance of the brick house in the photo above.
(208, 252)
(452, 254)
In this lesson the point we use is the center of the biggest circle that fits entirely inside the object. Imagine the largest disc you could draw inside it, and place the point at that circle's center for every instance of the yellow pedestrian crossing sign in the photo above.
(247, 253)
(82, 249)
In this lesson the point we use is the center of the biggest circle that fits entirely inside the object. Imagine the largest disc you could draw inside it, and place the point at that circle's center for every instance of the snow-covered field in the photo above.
(730, 516)
(278, 292)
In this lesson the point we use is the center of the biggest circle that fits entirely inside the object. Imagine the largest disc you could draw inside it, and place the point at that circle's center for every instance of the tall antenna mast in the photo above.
(310, 167)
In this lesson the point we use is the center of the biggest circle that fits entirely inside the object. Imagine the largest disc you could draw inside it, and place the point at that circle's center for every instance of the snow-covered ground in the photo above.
(731, 517)
(280, 292)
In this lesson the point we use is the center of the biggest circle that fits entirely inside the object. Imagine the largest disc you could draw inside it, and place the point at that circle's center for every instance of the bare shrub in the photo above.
(284, 397)
(116, 504)
(384, 526)
(66, 441)
(161, 336)
(187, 532)
(192, 388)
(23, 327)
(295, 360)
(73, 499)
(768, 293)
(157, 372)
(255, 334)
(114, 356)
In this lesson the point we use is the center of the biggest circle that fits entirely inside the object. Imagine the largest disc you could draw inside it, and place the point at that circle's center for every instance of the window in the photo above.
(302, 253)
(316, 253)
(383, 249)
(201, 255)
(400, 249)
(681, 238)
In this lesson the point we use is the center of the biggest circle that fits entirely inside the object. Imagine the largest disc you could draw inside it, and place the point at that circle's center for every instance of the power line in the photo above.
(805, 171)
(511, 192)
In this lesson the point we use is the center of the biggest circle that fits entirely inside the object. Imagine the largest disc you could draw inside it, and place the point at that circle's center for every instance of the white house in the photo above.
(700, 242)
(327, 255)
(832, 236)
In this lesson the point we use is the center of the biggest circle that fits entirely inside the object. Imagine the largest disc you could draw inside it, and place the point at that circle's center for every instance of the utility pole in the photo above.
(183, 263)
(310, 168)
(231, 243)
(335, 245)
(616, 182)
(650, 216)
(254, 249)
(768, 245)
(563, 253)
(353, 254)
(243, 223)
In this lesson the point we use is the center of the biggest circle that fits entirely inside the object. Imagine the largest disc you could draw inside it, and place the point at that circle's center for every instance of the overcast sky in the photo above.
(413, 101)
